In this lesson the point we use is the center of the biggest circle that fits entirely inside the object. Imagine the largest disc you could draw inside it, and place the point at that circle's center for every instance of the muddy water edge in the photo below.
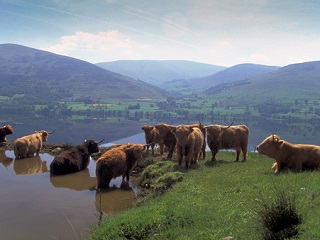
(35, 205)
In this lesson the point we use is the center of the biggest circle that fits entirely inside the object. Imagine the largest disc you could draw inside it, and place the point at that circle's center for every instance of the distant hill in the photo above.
(157, 72)
(45, 75)
(297, 81)
(231, 74)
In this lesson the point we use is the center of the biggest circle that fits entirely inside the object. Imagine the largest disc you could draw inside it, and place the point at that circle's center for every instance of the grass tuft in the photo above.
(280, 219)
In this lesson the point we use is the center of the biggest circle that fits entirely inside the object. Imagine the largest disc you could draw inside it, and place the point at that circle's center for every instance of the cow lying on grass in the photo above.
(119, 161)
(29, 145)
(296, 157)
(74, 159)
(189, 143)
(228, 137)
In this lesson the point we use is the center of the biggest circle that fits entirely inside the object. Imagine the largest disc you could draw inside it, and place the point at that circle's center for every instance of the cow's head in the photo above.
(135, 151)
(163, 129)
(92, 146)
(270, 146)
(182, 133)
(44, 135)
(8, 129)
(147, 129)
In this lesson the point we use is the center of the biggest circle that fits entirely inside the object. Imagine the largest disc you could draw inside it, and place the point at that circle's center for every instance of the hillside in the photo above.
(296, 82)
(231, 74)
(50, 77)
(158, 72)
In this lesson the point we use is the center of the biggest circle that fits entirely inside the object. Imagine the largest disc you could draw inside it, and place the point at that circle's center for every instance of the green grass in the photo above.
(217, 200)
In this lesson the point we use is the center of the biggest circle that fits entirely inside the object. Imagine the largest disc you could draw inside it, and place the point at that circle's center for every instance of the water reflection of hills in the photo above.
(32, 165)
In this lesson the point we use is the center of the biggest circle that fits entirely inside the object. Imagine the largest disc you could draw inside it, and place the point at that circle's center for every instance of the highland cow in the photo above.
(75, 159)
(296, 157)
(189, 143)
(151, 137)
(27, 146)
(119, 161)
(5, 130)
(228, 137)
(166, 138)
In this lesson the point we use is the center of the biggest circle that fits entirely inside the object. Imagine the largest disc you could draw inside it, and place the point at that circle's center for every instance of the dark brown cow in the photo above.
(295, 157)
(151, 136)
(5, 130)
(189, 143)
(119, 161)
(27, 146)
(228, 137)
(166, 138)
(74, 159)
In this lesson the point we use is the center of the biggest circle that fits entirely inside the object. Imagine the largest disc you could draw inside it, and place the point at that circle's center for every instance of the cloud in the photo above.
(84, 41)
(259, 58)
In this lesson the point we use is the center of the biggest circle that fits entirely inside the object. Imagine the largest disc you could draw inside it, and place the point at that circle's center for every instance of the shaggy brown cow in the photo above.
(74, 159)
(295, 157)
(189, 143)
(27, 146)
(203, 130)
(151, 136)
(119, 161)
(166, 138)
(5, 130)
(228, 137)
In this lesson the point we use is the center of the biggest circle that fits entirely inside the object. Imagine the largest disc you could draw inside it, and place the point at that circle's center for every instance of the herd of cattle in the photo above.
(189, 141)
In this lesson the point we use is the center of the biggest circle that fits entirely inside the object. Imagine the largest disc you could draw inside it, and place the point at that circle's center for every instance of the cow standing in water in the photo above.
(296, 157)
(74, 159)
(29, 145)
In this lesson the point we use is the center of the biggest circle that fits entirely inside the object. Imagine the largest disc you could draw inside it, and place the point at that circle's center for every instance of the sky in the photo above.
(218, 32)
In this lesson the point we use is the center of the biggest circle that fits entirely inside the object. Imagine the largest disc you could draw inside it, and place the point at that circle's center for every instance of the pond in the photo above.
(35, 205)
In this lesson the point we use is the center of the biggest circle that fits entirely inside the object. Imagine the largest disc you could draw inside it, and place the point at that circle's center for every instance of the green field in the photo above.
(214, 201)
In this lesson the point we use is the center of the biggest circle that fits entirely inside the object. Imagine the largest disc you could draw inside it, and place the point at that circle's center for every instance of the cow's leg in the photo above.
(238, 150)
(152, 148)
(244, 153)
(179, 155)
(161, 148)
(170, 154)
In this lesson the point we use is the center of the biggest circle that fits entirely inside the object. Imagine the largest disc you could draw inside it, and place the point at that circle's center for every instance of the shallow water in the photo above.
(35, 205)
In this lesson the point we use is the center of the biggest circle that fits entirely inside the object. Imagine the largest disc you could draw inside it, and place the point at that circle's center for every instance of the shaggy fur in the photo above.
(117, 162)
(74, 159)
(5, 130)
(224, 137)
(189, 143)
(27, 146)
(166, 138)
(203, 130)
(296, 157)
(151, 136)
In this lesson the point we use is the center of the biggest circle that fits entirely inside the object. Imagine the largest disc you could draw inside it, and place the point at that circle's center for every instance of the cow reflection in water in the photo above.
(31, 165)
(6, 161)
(76, 181)
(114, 200)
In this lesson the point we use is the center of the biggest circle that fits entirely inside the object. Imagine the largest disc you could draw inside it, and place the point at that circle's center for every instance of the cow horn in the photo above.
(99, 141)
(52, 132)
(149, 144)
(230, 124)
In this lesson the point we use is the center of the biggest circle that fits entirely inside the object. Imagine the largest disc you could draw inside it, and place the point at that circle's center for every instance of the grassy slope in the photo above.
(215, 201)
